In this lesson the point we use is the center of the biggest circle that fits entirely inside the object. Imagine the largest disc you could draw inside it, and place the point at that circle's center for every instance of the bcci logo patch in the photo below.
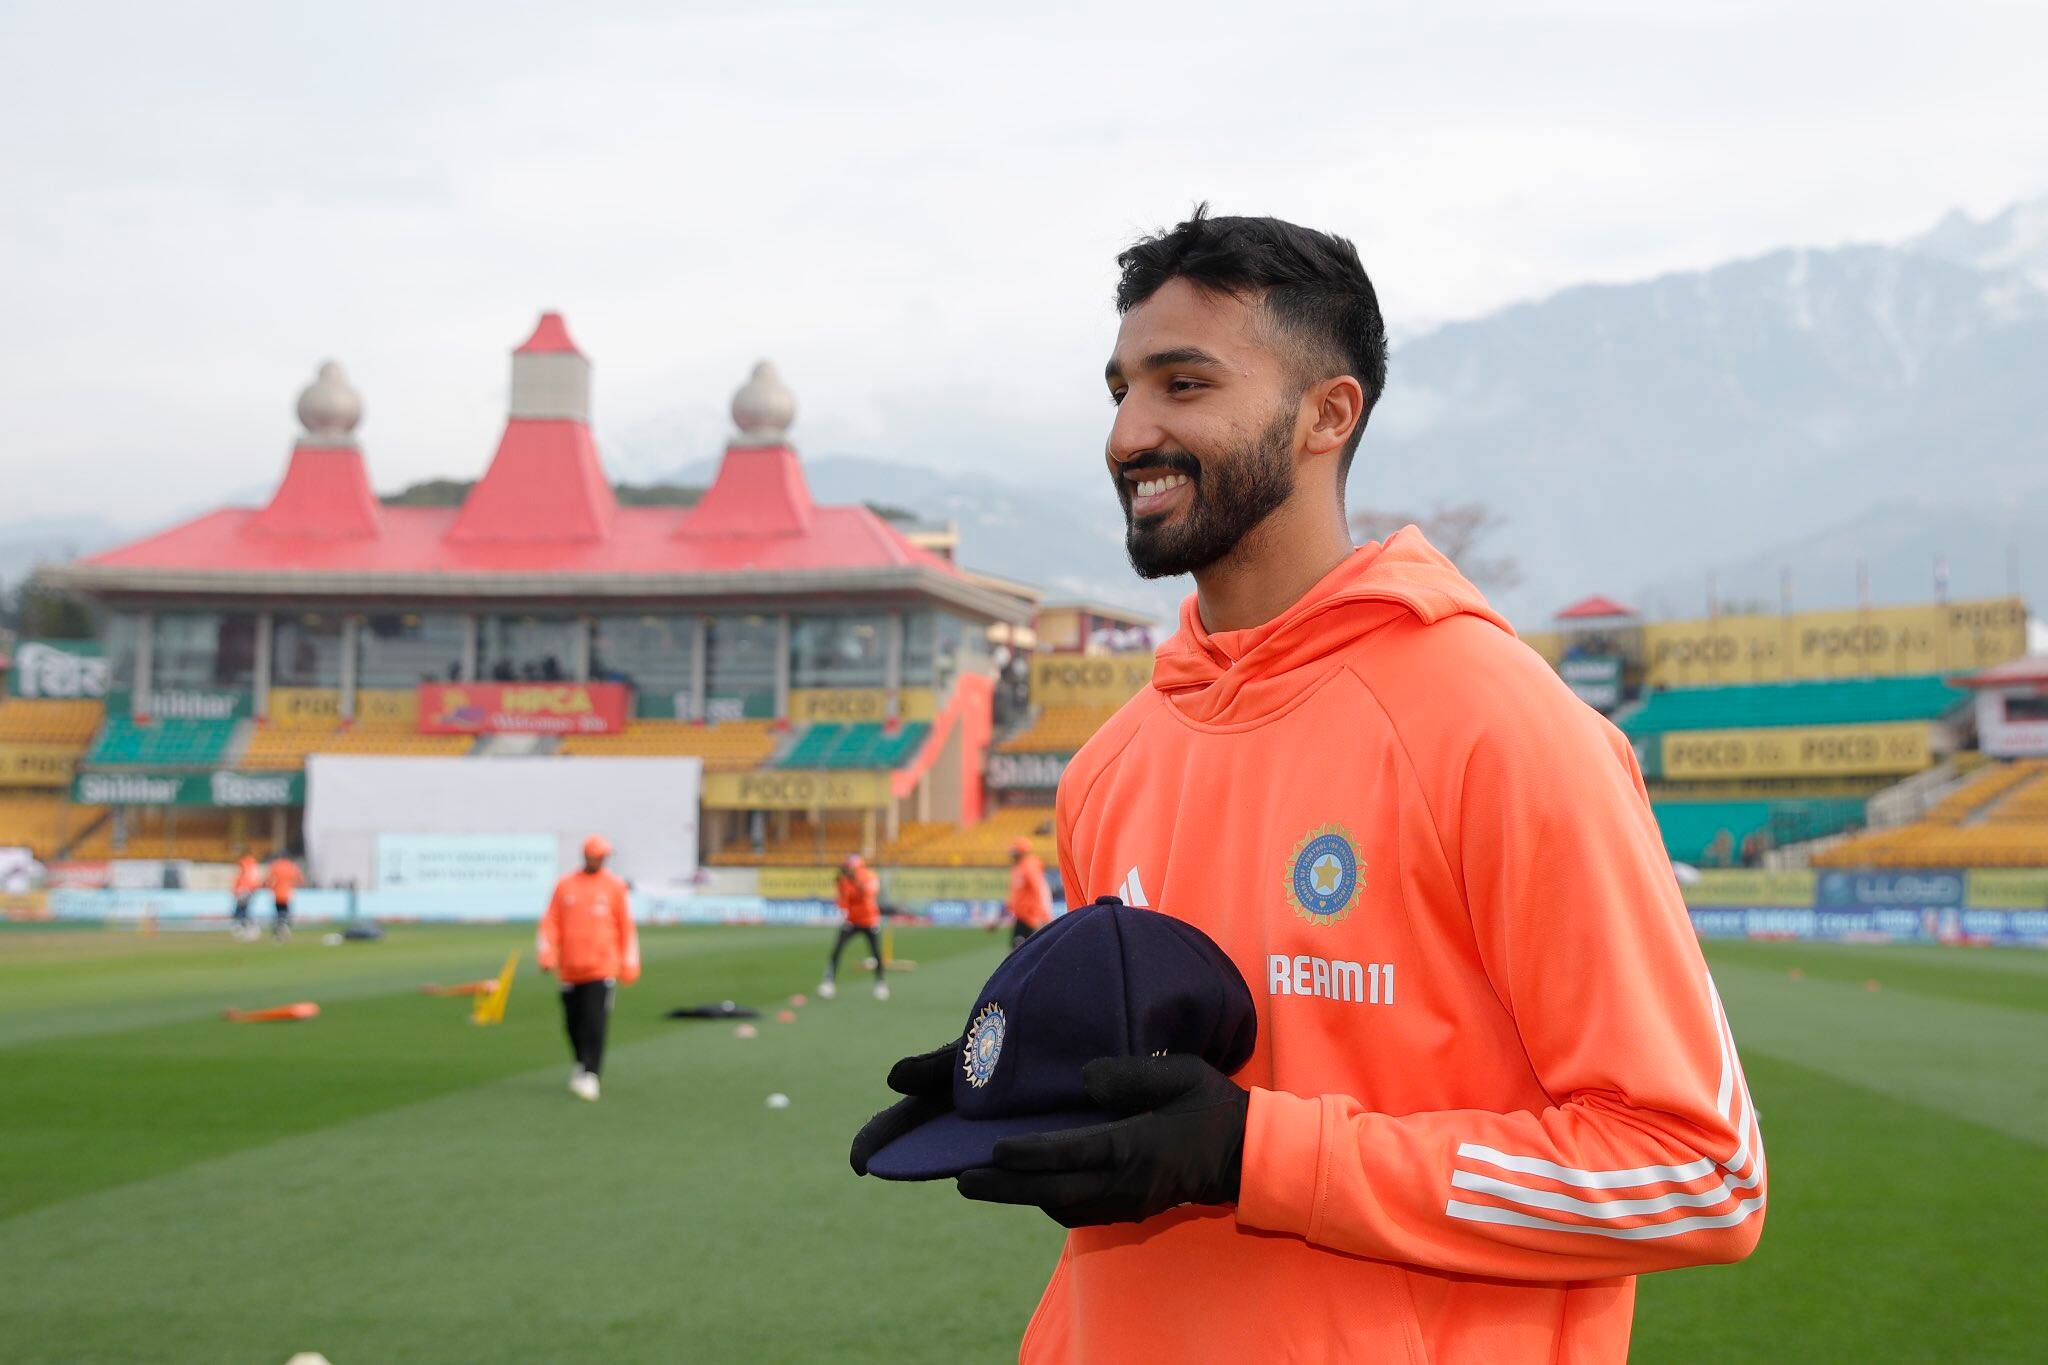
(1324, 879)
(984, 1045)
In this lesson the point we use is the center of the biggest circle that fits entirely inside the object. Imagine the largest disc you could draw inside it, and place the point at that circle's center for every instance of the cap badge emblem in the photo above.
(984, 1045)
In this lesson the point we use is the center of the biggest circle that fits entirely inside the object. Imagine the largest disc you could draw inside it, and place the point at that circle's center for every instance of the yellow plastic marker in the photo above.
(490, 1009)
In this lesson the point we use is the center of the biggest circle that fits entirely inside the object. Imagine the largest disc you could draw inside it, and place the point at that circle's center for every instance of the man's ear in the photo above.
(1335, 408)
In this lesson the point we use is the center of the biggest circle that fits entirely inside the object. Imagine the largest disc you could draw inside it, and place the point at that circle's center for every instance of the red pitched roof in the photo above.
(759, 491)
(549, 334)
(543, 507)
(546, 483)
(325, 496)
(415, 540)
(1587, 608)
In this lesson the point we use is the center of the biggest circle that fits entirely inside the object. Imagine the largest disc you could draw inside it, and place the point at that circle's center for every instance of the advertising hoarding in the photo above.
(523, 708)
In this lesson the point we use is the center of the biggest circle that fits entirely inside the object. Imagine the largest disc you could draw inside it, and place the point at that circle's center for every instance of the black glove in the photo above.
(1184, 1144)
(927, 1079)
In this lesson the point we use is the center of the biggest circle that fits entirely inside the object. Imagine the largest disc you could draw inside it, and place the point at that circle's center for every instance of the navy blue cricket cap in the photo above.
(1106, 980)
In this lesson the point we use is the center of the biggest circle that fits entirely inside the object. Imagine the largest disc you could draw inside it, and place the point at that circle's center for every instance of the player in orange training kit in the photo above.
(587, 939)
(1029, 906)
(283, 878)
(248, 881)
(1493, 1081)
(860, 901)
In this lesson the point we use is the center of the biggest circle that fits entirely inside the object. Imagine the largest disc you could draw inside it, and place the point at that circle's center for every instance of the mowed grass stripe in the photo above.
(1893, 1233)
(129, 981)
(2016, 978)
(89, 1109)
(1979, 1063)
(677, 1219)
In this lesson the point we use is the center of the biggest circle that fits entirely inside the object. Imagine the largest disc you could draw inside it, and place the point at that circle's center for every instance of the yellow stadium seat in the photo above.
(273, 747)
(43, 822)
(201, 835)
(2000, 819)
(1058, 730)
(726, 746)
(34, 721)
(808, 845)
(986, 844)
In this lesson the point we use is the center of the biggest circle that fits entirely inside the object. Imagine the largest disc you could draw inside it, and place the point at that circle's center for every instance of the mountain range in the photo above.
(1813, 413)
(1804, 409)
(1824, 417)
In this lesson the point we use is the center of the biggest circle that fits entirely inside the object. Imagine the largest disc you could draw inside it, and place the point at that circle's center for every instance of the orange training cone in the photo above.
(304, 1009)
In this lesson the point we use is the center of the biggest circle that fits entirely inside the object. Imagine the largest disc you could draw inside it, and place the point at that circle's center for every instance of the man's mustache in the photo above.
(1171, 461)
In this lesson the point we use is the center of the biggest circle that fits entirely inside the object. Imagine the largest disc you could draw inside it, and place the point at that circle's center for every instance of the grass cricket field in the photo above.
(389, 1183)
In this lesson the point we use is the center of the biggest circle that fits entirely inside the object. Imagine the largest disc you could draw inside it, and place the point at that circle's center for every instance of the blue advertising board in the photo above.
(1928, 924)
(1935, 888)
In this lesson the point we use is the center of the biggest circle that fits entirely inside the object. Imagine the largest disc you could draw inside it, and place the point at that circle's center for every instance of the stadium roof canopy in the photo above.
(1855, 701)
(2031, 669)
(542, 522)
(1593, 608)
(1104, 611)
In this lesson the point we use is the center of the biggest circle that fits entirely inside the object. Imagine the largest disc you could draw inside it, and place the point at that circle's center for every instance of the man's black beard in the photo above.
(1229, 497)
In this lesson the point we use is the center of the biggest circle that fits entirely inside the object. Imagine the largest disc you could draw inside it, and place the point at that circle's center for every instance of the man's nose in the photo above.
(1133, 431)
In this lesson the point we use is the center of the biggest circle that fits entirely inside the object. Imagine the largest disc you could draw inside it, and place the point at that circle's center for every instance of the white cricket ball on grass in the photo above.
(778, 1100)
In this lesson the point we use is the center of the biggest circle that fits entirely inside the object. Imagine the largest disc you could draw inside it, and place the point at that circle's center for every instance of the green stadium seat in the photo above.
(812, 746)
(1692, 829)
(859, 744)
(1860, 701)
(898, 749)
(164, 743)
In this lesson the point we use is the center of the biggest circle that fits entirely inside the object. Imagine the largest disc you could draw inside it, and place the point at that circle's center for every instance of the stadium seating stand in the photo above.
(1999, 819)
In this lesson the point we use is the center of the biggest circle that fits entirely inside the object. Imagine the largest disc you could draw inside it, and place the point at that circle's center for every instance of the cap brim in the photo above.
(950, 1144)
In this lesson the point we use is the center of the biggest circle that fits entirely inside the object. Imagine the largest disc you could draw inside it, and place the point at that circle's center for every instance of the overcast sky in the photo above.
(913, 209)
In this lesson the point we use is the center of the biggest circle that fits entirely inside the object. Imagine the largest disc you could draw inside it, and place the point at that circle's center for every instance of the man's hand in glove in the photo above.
(1183, 1143)
(927, 1081)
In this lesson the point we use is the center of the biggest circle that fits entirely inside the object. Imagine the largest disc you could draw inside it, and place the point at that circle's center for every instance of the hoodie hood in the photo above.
(1245, 672)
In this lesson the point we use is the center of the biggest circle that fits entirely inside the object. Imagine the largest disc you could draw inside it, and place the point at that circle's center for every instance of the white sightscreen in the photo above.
(647, 807)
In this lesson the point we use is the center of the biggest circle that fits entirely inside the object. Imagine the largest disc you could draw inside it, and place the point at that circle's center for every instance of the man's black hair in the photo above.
(1312, 283)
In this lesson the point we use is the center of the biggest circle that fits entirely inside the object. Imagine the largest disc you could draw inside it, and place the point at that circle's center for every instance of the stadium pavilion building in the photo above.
(834, 677)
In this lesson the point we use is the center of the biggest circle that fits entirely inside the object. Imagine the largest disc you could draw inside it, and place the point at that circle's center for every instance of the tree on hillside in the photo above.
(658, 494)
(35, 611)
(430, 493)
(1454, 528)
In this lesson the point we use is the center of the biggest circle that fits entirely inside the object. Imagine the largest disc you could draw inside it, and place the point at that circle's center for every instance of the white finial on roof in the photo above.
(764, 408)
(329, 408)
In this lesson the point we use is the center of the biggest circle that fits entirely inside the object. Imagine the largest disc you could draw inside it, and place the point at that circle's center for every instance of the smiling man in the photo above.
(1493, 1081)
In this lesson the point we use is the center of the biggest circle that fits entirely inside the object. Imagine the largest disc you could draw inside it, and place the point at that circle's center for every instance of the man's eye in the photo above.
(1183, 386)
(1116, 397)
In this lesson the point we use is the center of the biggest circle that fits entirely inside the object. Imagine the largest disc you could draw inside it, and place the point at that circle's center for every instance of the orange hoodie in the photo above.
(283, 878)
(1030, 902)
(587, 933)
(1493, 1079)
(860, 897)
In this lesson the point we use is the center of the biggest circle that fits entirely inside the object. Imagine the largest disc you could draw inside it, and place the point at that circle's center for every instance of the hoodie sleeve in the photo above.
(629, 937)
(1065, 802)
(547, 939)
(1648, 1154)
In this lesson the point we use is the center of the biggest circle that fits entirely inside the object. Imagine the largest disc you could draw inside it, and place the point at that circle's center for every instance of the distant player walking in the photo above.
(860, 900)
(248, 881)
(1029, 907)
(587, 938)
(284, 879)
